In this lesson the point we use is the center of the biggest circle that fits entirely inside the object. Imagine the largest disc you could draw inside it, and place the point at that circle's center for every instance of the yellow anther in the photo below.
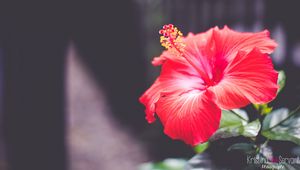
(171, 38)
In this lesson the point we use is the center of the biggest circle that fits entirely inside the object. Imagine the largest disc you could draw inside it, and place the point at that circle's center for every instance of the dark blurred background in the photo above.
(71, 74)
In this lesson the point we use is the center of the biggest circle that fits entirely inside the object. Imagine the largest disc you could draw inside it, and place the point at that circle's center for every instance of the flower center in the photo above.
(171, 39)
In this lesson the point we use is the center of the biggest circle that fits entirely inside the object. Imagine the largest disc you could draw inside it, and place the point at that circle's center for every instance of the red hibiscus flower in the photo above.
(204, 73)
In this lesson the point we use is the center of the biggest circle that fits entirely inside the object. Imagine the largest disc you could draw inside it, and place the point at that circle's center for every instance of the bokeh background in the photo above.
(71, 73)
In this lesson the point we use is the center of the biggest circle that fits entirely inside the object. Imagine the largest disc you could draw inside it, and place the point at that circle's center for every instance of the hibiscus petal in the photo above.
(199, 54)
(248, 78)
(195, 44)
(170, 54)
(175, 77)
(167, 54)
(229, 42)
(200, 51)
(192, 116)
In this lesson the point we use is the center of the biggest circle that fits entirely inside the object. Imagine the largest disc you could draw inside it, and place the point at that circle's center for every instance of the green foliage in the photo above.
(251, 129)
(281, 80)
(233, 117)
(168, 164)
(263, 109)
(236, 123)
(248, 148)
(282, 125)
(201, 147)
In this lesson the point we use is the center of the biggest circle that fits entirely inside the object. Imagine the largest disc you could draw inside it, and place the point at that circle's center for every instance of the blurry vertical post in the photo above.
(3, 163)
(34, 50)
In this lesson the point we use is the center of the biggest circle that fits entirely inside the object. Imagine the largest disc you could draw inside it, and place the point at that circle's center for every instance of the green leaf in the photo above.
(251, 129)
(248, 148)
(281, 80)
(282, 125)
(242, 114)
(235, 123)
(168, 164)
(263, 109)
(232, 118)
(227, 132)
(202, 161)
(274, 118)
(231, 125)
(201, 147)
